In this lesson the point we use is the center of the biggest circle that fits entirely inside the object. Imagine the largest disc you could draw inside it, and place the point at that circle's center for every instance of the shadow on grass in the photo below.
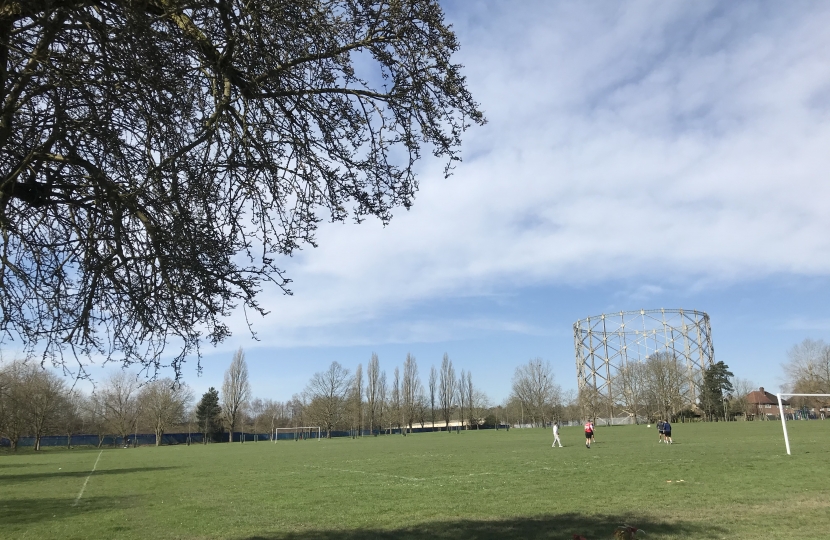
(20, 478)
(554, 526)
(31, 511)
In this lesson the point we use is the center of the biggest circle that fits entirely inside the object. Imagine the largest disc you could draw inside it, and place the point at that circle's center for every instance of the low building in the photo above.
(761, 405)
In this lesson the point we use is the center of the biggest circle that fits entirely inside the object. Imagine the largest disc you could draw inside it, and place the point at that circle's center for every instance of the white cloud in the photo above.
(667, 141)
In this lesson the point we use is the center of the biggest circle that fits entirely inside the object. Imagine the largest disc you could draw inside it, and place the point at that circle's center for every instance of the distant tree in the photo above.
(71, 414)
(383, 417)
(13, 402)
(808, 371)
(297, 410)
(631, 389)
(236, 390)
(470, 397)
(326, 395)
(590, 402)
(158, 157)
(274, 414)
(421, 407)
(357, 398)
(738, 402)
(256, 410)
(95, 416)
(208, 415)
(535, 387)
(44, 398)
(373, 390)
(716, 384)
(433, 388)
(446, 390)
(121, 405)
(480, 404)
(462, 395)
(667, 384)
(410, 390)
(395, 403)
(163, 403)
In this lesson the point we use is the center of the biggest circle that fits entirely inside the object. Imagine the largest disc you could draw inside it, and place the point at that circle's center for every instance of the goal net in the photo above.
(301, 433)
(783, 415)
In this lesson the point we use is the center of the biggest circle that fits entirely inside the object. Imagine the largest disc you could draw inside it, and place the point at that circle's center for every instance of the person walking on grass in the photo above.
(667, 432)
(660, 438)
(556, 436)
(589, 433)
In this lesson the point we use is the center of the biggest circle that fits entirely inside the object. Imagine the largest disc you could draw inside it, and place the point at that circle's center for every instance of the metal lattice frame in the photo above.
(606, 343)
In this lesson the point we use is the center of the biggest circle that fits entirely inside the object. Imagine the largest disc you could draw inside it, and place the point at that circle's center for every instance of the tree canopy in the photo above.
(157, 157)
(716, 384)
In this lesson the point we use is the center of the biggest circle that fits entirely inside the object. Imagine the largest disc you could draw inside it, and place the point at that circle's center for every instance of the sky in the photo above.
(636, 155)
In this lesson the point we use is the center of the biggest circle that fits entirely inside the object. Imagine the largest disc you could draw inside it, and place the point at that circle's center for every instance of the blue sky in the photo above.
(637, 155)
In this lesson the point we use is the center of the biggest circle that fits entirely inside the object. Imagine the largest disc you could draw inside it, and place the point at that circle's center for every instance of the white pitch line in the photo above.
(80, 493)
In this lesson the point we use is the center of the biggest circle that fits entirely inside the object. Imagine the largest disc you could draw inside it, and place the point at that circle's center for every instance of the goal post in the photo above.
(784, 417)
(301, 432)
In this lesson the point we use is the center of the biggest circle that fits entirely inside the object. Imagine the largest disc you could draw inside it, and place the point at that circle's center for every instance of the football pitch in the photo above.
(717, 481)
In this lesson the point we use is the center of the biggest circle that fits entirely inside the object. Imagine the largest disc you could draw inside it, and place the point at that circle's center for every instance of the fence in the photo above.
(141, 439)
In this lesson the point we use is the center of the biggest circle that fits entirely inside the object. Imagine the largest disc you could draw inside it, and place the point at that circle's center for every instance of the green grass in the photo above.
(737, 482)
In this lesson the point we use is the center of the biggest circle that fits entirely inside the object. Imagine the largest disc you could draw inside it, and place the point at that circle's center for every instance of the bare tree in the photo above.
(275, 414)
(257, 410)
(410, 390)
(296, 410)
(44, 393)
(383, 400)
(357, 398)
(396, 408)
(70, 412)
(119, 395)
(446, 390)
(741, 388)
(535, 387)
(590, 402)
(13, 402)
(372, 389)
(668, 384)
(480, 403)
(808, 371)
(164, 403)
(326, 394)
(632, 384)
(421, 407)
(95, 415)
(433, 388)
(236, 390)
(462, 395)
(162, 140)
(470, 394)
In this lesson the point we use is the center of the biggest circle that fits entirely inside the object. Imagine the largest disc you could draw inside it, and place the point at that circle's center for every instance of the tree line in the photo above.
(35, 402)
(373, 401)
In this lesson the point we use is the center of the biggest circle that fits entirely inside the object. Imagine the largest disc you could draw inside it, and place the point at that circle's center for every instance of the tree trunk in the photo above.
(159, 435)
(37, 443)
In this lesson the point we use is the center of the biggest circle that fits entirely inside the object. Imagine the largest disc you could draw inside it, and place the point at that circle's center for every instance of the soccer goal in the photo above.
(784, 417)
(297, 433)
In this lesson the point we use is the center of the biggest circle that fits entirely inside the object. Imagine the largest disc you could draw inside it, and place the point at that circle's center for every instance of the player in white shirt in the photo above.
(556, 436)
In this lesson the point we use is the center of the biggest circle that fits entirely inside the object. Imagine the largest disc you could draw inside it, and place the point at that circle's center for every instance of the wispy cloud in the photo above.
(663, 141)
(807, 324)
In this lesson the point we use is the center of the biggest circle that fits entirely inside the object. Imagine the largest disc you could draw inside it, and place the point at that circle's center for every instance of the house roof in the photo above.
(762, 397)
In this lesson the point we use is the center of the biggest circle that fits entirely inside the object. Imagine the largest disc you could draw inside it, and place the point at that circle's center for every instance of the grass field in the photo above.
(717, 481)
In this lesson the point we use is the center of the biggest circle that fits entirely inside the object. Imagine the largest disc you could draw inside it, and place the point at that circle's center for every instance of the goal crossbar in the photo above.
(784, 418)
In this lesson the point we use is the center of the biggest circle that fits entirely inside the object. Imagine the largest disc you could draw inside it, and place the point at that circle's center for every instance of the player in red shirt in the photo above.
(589, 433)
